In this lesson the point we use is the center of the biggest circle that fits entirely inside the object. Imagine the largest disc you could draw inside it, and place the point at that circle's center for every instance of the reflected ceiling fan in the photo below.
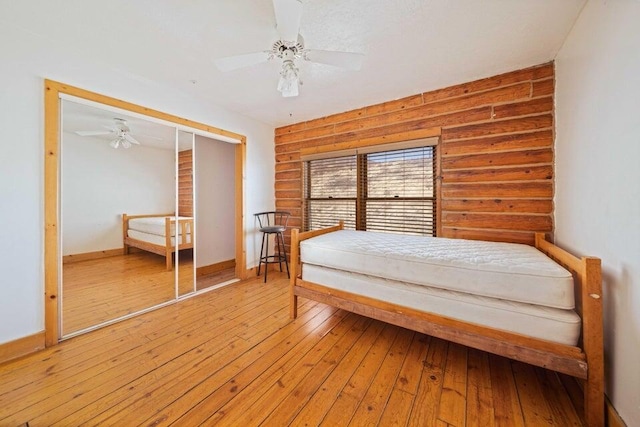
(290, 48)
(121, 131)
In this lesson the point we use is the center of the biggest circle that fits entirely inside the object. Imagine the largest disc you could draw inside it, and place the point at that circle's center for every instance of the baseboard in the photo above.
(612, 416)
(91, 255)
(214, 268)
(21, 347)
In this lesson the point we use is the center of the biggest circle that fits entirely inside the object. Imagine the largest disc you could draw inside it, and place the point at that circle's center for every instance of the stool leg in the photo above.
(261, 253)
(284, 254)
(266, 260)
(280, 249)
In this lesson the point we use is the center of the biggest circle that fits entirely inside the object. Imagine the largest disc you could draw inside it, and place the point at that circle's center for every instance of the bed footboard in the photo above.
(184, 239)
(295, 266)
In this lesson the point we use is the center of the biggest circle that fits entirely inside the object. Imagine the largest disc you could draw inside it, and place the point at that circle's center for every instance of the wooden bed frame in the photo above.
(584, 361)
(168, 249)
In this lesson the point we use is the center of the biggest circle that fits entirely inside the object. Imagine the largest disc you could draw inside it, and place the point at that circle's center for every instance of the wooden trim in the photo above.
(214, 268)
(52, 93)
(22, 346)
(51, 210)
(438, 190)
(118, 103)
(366, 142)
(85, 256)
(613, 418)
(240, 177)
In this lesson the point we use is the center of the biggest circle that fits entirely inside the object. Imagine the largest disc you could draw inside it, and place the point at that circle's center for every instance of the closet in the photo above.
(147, 214)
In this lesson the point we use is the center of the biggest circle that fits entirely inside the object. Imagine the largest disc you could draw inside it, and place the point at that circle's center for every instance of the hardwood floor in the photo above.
(232, 357)
(99, 290)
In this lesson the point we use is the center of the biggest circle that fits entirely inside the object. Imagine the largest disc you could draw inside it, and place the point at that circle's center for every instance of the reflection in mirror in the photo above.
(117, 187)
(215, 211)
(185, 231)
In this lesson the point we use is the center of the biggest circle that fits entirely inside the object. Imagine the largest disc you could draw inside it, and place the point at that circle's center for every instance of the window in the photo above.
(330, 188)
(391, 190)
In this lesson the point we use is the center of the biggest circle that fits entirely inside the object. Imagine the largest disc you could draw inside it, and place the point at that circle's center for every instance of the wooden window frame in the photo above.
(371, 145)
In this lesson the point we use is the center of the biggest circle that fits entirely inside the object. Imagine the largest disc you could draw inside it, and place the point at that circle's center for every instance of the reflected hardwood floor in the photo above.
(213, 279)
(99, 290)
(232, 357)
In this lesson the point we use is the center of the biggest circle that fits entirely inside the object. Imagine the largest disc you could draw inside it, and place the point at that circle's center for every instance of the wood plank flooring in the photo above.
(232, 357)
(99, 290)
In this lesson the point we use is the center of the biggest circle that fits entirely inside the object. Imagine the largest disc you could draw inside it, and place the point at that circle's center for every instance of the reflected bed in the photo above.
(157, 233)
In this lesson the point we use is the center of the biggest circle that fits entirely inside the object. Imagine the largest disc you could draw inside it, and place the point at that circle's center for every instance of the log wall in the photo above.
(496, 152)
(185, 183)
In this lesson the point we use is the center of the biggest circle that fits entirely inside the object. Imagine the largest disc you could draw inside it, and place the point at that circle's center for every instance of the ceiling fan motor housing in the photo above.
(286, 50)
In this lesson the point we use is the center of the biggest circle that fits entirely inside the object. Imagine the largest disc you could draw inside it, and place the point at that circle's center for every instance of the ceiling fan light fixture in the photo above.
(120, 141)
(289, 79)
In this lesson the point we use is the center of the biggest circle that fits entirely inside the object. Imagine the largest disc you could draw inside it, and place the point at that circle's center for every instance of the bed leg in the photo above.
(592, 336)
(293, 307)
(293, 273)
(593, 403)
(169, 261)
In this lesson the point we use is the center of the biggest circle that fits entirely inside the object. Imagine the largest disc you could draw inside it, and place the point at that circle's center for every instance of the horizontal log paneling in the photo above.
(289, 174)
(494, 235)
(536, 106)
(496, 144)
(185, 183)
(498, 127)
(500, 221)
(529, 157)
(288, 203)
(497, 205)
(496, 151)
(541, 190)
(503, 174)
(544, 87)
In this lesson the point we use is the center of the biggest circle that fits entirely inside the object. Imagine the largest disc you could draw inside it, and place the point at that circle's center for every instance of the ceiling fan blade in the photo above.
(131, 139)
(231, 63)
(347, 60)
(92, 132)
(288, 14)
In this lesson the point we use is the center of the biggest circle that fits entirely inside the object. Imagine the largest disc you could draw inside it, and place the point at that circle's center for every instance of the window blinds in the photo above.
(399, 195)
(330, 192)
(390, 191)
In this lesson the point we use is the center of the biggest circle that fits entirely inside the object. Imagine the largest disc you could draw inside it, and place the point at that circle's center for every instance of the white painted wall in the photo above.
(26, 60)
(598, 177)
(215, 201)
(99, 184)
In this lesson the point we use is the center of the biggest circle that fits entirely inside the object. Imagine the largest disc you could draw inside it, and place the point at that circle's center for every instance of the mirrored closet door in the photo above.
(118, 200)
(215, 201)
(185, 233)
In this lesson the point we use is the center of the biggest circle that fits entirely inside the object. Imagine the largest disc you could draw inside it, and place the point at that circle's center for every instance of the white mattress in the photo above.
(551, 324)
(507, 271)
(154, 225)
(154, 238)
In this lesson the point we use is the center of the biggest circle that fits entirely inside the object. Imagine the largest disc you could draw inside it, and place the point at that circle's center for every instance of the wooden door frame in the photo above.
(52, 93)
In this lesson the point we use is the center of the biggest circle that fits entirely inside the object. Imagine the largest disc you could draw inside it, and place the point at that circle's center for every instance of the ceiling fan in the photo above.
(290, 48)
(120, 129)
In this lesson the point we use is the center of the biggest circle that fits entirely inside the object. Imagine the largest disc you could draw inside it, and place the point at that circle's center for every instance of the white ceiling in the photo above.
(411, 46)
